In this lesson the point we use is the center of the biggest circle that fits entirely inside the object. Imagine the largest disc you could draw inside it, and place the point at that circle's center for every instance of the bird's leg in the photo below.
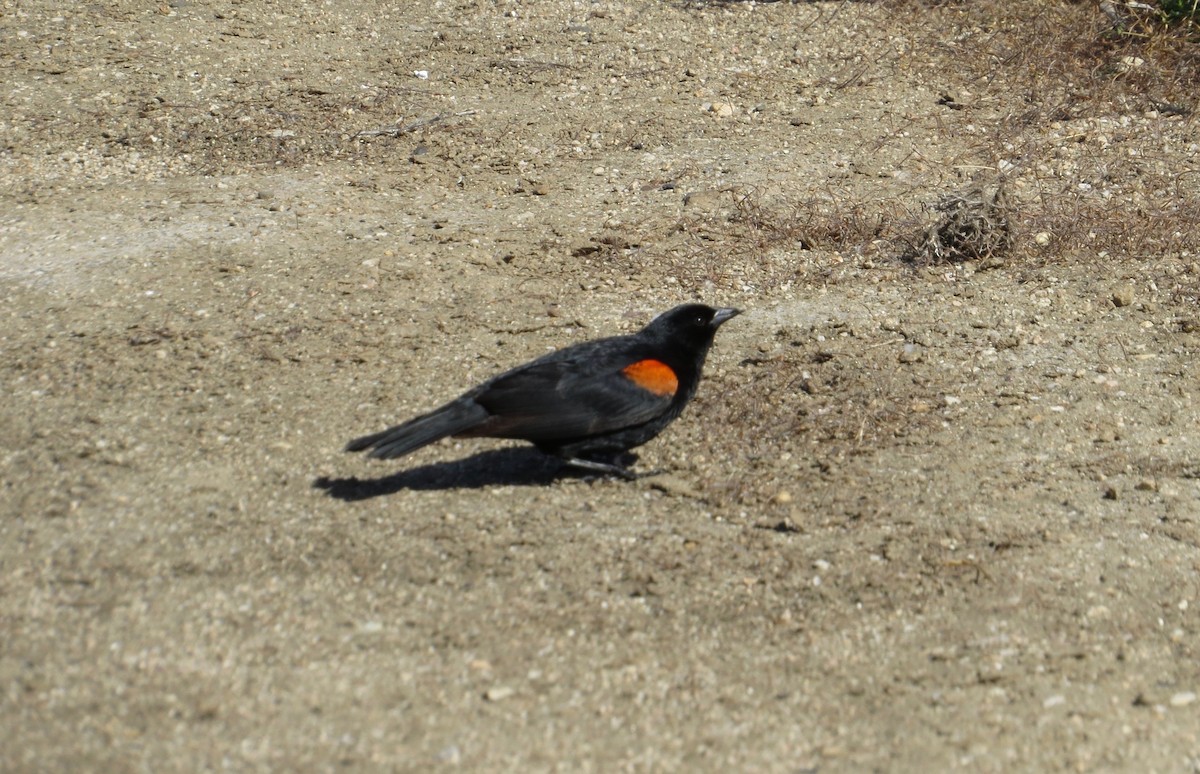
(609, 468)
(618, 466)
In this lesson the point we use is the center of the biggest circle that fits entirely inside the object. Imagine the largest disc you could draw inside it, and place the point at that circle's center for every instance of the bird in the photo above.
(587, 404)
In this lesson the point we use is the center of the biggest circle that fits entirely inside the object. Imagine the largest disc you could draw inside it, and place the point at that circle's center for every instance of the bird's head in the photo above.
(690, 326)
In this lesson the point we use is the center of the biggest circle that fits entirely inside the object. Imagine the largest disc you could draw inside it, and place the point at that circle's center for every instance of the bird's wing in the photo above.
(556, 400)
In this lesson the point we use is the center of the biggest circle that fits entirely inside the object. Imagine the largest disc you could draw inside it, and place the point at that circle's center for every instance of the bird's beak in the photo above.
(724, 314)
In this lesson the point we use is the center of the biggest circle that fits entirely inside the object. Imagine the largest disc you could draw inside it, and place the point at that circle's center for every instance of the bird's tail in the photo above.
(451, 419)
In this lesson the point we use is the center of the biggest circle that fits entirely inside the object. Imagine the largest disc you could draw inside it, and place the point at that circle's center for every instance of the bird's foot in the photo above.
(618, 467)
(607, 468)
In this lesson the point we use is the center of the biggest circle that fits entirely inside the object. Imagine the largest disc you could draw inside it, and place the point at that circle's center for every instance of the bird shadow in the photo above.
(498, 467)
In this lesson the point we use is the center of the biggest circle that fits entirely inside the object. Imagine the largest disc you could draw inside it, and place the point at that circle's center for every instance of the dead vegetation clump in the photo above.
(973, 224)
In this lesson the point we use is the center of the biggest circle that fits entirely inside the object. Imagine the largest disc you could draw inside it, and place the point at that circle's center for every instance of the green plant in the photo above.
(1180, 10)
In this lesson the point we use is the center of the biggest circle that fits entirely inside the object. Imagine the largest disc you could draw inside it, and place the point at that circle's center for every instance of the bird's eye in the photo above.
(700, 321)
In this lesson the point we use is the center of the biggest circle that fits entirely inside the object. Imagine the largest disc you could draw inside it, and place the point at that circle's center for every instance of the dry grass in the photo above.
(811, 223)
(1084, 144)
(1088, 114)
(1102, 135)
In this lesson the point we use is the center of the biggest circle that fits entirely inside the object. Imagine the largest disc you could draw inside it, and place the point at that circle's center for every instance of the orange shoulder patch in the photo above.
(652, 375)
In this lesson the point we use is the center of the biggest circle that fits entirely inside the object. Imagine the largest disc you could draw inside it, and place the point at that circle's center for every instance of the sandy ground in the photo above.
(923, 516)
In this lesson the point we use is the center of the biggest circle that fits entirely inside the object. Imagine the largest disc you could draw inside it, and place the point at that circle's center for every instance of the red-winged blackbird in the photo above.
(588, 403)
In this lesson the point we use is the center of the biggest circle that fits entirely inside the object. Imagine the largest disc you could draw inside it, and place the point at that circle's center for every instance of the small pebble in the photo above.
(782, 498)
(1111, 493)
(1123, 296)
(1183, 698)
(721, 109)
(499, 693)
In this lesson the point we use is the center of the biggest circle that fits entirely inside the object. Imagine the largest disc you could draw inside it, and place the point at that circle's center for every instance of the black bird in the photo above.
(588, 403)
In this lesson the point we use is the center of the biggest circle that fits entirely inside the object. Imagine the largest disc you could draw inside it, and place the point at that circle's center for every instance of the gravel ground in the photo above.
(923, 515)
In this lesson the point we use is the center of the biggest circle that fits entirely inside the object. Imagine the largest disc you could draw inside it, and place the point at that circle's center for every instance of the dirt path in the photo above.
(919, 517)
